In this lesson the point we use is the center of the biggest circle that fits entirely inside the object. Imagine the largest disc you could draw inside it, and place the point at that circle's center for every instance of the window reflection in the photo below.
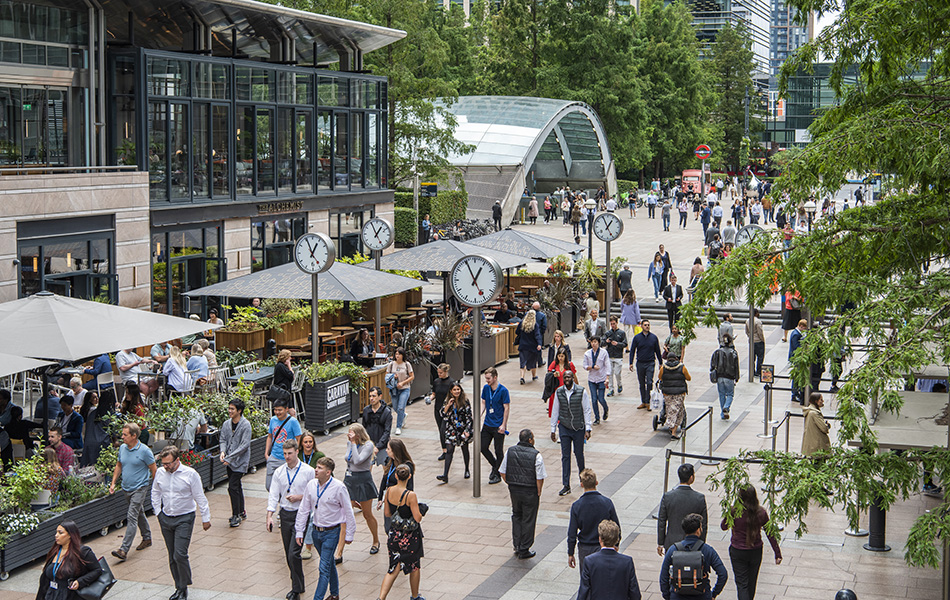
(272, 241)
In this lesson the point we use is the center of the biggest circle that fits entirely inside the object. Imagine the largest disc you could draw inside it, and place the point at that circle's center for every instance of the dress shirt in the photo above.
(332, 508)
(603, 361)
(175, 494)
(298, 477)
(585, 405)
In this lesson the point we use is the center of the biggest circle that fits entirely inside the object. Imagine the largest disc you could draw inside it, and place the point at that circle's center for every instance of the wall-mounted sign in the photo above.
(428, 190)
(270, 208)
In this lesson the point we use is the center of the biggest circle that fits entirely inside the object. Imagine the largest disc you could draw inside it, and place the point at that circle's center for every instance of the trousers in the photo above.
(291, 549)
(325, 543)
(272, 463)
(645, 376)
(570, 438)
(524, 516)
(616, 371)
(745, 566)
(135, 518)
(177, 534)
(598, 396)
(758, 348)
(491, 436)
(235, 492)
(583, 551)
(726, 388)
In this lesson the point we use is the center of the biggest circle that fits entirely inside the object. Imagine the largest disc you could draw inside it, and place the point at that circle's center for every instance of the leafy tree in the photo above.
(881, 268)
(732, 67)
(677, 87)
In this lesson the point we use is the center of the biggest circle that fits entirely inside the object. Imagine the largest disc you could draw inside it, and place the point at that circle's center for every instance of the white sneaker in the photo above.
(398, 431)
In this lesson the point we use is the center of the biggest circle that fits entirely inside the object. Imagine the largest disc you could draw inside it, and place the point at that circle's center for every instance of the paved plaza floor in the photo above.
(468, 540)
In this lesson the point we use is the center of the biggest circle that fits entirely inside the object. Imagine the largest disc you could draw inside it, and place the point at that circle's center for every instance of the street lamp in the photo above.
(810, 208)
(590, 205)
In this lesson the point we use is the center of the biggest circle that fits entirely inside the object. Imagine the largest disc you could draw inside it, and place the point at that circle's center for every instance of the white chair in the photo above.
(103, 379)
(191, 377)
(242, 369)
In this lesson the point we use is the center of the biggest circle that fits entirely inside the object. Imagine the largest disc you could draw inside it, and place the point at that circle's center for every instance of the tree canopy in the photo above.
(875, 275)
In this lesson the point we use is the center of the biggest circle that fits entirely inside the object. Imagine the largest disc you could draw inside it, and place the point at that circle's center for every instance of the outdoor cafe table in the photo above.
(363, 323)
(341, 328)
(256, 377)
(529, 289)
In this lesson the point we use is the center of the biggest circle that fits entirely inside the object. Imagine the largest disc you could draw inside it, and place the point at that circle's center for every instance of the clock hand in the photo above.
(474, 277)
(312, 250)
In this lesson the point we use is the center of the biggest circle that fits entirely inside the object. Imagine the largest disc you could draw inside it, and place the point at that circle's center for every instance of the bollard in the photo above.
(666, 480)
(683, 447)
(767, 416)
(788, 426)
(877, 521)
(710, 460)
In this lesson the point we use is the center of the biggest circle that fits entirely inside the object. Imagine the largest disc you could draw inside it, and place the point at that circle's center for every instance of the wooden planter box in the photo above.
(91, 517)
(327, 404)
(251, 341)
(502, 344)
(375, 377)
(295, 330)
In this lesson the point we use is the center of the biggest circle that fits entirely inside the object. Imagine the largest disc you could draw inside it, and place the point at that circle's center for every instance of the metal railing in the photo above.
(43, 169)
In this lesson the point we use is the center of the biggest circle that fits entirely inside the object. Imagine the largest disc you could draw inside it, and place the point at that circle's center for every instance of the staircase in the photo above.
(656, 311)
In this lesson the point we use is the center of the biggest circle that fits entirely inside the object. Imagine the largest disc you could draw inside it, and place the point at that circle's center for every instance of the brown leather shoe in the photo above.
(642, 406)
(120, 554)
(144, 544)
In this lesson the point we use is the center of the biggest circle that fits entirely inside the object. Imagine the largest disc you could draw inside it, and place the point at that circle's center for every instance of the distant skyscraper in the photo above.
(709, 16)
(787, 37)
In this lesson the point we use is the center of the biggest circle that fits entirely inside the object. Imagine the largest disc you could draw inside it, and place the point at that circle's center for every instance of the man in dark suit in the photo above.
(794, 341)
(673, 294)
(675, 505)
(587, 513)
(624, 280)
(607, 574)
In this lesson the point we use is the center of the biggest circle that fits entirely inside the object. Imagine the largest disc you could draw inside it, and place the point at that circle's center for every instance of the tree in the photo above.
(881, 268)
(676, 86)
(732, 67)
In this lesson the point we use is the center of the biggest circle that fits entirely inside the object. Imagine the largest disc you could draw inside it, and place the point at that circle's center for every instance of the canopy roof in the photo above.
(259, 28)
(527, 245)
(340, 282)
(52, 327)
(442, 255)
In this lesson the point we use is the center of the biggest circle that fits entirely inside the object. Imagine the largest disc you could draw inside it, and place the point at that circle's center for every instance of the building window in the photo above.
(185, 259)
(272, 240)
(345, 228)
(70, 257)
(33, 126)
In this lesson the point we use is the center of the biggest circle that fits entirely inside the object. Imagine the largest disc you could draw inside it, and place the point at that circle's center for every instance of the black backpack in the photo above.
(688, 570)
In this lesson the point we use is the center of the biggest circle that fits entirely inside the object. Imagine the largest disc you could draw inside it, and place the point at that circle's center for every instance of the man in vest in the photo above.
(571, 419)
(523, 470)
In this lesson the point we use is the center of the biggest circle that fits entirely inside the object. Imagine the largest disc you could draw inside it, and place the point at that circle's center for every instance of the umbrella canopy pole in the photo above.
(314, 321)
(45, 399)
(379, 309)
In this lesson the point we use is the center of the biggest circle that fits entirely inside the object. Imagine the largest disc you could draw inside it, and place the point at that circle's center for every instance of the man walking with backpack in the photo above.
(724, 368)
(686, 565)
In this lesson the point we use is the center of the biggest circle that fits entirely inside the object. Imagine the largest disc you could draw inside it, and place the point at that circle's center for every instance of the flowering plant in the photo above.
(191, 458)
(16, 523)
(560, 265)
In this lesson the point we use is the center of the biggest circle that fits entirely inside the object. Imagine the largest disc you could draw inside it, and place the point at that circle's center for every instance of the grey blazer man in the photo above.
(236, 445)
(675, 505)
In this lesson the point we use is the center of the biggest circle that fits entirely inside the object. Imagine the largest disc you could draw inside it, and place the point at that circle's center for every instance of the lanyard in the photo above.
(290, 481)
(493, 393)
(57, 564)
(349, 454)
(306, 458)
(392, 469)
(319, 495)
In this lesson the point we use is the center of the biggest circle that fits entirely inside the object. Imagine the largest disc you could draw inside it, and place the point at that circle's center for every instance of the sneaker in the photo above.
(606, 412)
(619, 390)
(235, 521)
(610, 393)
(398, 431)
(596, 421)
(243, 516)
(564, 491)
(145, 543)
(306, 554)
(494, 478)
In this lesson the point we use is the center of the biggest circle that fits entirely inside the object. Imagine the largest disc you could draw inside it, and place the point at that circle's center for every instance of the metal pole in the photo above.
(379, 310)
(765, 420)
(702, 180)
(710, 460)
(314, 321)
(683, 447)
(608, 287)
(476, 395)
(788, 426)
(751, 333)
(666, 479)
(415, 196)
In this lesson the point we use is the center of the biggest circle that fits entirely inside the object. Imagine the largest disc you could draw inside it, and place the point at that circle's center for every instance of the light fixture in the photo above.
(810, 207)
(591, 204)
(69, 259)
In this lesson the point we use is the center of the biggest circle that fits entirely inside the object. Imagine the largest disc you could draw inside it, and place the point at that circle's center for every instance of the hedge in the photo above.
(405, 225)
(448, 206)
(625, 186)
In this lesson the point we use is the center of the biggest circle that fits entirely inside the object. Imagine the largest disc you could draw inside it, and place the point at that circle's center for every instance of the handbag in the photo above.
(277, 392)
(101, 586)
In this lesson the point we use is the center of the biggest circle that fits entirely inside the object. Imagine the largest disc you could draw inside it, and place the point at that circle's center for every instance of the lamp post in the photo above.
(590, 205)
(810, 208)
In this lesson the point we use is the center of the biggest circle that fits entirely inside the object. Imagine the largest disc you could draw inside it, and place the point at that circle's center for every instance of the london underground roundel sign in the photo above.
(703, 152)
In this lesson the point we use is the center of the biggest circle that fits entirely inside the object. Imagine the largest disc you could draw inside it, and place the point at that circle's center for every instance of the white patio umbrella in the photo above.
(51, 327)
(10, 364)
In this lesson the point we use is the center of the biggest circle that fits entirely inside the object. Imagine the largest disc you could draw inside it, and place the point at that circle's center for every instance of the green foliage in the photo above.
(625, 186)
(526, 273)
(76, 492)
(405, 226)
(561, 293)
(588, 275)
(26, 481)
(285, 310)
(108, 457)
(215, 408)
(16, 524)
(616, 264)
(233, 358)
(244, 319)
(449, 206)
(449, 334)
(168, 414)
(326, 371)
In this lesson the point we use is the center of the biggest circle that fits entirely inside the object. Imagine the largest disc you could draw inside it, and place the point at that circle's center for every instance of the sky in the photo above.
(825, 21)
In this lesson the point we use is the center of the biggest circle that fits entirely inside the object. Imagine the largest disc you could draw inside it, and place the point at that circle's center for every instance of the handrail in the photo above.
(708, 412)
(841, 379)
(87, 169)
(785, 421)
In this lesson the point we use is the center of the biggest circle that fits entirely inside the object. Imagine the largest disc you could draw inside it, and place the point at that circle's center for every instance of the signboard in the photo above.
(338, 394)
(768, 374)
(428, 190)
(703, 152)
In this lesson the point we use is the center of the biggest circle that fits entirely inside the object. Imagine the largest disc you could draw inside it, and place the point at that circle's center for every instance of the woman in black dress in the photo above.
(398, 455)
(71, 566)
(362, 350)
(405, 535)
(283, 373)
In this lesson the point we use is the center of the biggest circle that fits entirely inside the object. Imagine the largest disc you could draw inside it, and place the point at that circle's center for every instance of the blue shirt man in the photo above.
(645, 348)
(281, 428)
(693, 525)
(495, 405)
(101, 365)
(136, 466)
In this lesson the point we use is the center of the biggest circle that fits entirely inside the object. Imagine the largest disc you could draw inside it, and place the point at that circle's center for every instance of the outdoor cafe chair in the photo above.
(297, 390)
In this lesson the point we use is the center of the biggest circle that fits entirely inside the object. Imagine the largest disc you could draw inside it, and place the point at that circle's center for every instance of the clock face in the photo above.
(476, 280)
(747, 234)
(314, 253)
(608, 227)
(377, 234)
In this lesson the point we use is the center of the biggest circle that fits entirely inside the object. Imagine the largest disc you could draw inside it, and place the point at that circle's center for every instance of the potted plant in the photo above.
(291, 319)
(215, 407)
(448, 342)
(245, 330)
(327, 394)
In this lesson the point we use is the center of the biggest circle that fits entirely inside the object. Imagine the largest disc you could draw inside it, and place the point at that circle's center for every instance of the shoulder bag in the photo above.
(101, 586)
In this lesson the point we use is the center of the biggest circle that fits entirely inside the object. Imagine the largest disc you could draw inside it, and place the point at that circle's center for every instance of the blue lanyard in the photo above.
(290, 481)
(493, 393)
(392, 469)
(349, 454)
(306, 458)
(319, 495)
(57, 564)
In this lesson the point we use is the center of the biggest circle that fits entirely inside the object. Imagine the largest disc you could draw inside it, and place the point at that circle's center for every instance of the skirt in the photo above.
(791, 318)
(360, 485)
(529, 359)
(675, 409)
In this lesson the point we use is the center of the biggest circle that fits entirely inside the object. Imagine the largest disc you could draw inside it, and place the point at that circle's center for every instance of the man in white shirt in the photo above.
(286, 491)
(571, 417)
(175, 492)
(597, 365)
(611, 205)
(128, 363)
